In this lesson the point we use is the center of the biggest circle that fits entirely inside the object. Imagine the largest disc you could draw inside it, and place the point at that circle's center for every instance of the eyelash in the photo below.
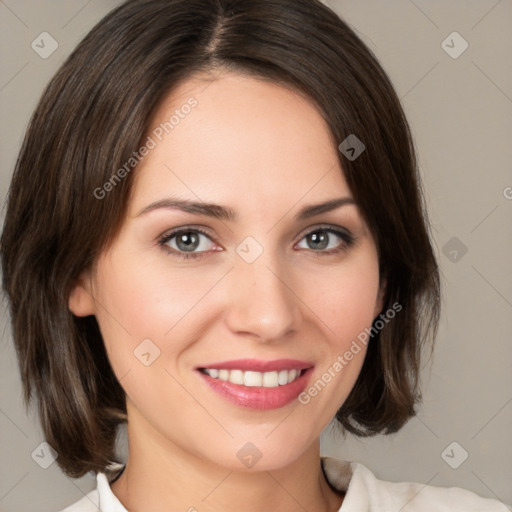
(348, 238)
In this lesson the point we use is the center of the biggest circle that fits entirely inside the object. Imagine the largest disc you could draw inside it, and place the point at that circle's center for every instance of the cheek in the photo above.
(345, 298)
(346, 302)
(349, 312)
(139, 302)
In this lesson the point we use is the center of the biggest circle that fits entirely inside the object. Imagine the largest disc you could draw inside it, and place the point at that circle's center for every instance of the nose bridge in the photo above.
(262, 302)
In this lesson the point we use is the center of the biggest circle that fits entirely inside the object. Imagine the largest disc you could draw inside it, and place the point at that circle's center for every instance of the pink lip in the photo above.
(259, 397)
(257, 365)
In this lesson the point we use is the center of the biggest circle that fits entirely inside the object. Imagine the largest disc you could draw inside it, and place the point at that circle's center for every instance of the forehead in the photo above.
(238, 136)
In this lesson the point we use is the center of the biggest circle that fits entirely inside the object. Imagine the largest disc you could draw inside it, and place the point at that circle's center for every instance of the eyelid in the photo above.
(326, 226)
(188, 227)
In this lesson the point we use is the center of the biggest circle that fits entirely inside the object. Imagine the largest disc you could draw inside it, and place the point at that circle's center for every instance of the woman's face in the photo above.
(278, 286)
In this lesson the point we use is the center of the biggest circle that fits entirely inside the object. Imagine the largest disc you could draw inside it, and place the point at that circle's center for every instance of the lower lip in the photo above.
(258, 397)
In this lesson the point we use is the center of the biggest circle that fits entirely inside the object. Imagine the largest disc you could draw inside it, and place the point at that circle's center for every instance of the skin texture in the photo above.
(265, 152)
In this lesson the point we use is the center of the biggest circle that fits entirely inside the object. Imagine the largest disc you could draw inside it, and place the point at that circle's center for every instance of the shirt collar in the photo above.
(347, 477)
(108, 501)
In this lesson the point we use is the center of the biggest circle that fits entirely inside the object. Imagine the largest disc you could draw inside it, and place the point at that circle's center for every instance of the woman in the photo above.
(229, 249)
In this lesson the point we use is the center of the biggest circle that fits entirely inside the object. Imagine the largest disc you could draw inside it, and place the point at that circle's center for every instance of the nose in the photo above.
(263, 303)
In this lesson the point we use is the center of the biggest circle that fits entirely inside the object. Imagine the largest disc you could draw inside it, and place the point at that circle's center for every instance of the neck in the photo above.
(159, 476)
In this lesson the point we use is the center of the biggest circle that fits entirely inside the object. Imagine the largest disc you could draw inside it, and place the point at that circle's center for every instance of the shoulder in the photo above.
(364, 491)
(416, 497)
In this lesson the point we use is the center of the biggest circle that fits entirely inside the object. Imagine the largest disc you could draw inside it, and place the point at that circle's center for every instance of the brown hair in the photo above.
(92, 118)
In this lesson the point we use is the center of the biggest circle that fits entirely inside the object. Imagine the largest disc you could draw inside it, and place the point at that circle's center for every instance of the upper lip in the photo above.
(258, 365)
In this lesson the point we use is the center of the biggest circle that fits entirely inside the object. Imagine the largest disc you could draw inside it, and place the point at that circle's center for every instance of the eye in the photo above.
(326, 240)
(187, 242)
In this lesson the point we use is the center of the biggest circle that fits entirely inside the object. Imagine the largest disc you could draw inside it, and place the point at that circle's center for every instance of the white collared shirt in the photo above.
(364, 493)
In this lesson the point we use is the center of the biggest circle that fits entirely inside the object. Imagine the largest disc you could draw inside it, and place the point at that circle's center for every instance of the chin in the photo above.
(252, 454)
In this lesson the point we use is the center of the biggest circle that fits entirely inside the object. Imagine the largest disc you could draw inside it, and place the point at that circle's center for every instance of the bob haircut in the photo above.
(94, 115)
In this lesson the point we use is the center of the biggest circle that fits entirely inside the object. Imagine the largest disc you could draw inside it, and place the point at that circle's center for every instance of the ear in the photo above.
(81, 301)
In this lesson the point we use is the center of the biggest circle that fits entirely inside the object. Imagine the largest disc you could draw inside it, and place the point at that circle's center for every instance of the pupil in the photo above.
(187, 241)
(320, 239)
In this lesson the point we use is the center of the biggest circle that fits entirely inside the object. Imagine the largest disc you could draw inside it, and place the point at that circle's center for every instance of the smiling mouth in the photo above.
(257, 384)
(249, 378)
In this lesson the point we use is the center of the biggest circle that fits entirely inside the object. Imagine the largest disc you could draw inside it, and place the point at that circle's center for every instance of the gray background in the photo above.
(460, 110)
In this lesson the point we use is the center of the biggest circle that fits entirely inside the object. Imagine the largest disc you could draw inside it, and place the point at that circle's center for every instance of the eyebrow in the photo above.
(228, 214)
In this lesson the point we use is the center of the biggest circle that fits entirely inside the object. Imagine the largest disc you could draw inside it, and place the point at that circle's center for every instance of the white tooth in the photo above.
(252, 378)
(224, 374)
(236, 376)
(283, 377)
(291, 375)
(270, 380)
